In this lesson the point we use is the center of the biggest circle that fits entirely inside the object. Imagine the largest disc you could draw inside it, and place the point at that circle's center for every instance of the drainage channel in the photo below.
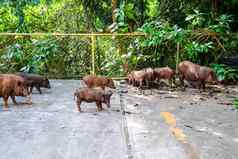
(125, 131)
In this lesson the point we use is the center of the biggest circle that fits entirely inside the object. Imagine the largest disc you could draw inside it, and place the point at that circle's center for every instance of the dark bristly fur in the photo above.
(34, 80)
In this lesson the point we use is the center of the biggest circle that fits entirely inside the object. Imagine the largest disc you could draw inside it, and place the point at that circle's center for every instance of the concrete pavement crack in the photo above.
(125, 130)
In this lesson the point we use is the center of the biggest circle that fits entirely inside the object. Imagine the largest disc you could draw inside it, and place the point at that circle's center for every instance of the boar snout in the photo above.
(46, 83)
(111, 83)
(107, 97)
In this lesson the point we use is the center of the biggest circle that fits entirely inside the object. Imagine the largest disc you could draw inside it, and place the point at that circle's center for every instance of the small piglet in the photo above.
(34, 80)
(165, 73)
(96, 81)
(93, 95)
(11, 86)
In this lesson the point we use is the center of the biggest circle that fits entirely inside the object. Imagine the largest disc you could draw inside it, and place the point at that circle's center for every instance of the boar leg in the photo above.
(140, 86)
(14, 100)
(78, 105)
(108, 102)
(38, 88)
(181, 79)
(203, 85)
(31, 88)
(99, 105)
(158, 82)
(5, 104)
(28, 99)
(172, 82)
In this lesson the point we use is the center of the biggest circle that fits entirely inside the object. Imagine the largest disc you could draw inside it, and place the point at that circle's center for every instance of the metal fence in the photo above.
(72, 55)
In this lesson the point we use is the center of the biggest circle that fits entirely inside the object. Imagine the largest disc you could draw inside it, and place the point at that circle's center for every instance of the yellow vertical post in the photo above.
(93, 54)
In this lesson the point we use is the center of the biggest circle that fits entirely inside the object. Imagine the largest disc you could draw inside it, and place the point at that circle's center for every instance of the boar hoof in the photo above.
(29, 102)
(100, 109)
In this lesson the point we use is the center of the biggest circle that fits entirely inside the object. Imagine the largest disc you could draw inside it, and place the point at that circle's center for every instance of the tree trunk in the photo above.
(141, 11)
(215, 7)
(114, 5)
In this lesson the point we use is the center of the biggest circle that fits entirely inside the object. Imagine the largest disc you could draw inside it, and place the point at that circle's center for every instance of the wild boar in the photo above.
(93, 95)
(149, 78)
(142, 76)
(96, 81)
(193, 72)
(165, 73)
(34, 80)
(130, 79)
(206, 74)
(138, 78)
(10, 86)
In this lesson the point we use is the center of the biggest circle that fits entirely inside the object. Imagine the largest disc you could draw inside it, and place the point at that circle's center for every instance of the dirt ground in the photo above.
(167, 124)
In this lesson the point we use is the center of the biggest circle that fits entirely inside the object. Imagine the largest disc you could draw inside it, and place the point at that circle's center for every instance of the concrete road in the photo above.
(164, 125)
(204, 125)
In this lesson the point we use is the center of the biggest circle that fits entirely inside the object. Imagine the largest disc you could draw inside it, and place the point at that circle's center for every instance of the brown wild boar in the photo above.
(195, 73)
(34, 80)
(96, 81)
(165, 73)
(138, 78)
(93, 95)
(207, 74)
(142, 76)
(10, 86)
(130, 79)
(149, 78)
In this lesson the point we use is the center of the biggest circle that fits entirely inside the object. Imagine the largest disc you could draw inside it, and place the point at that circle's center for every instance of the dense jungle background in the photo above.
(202, 31)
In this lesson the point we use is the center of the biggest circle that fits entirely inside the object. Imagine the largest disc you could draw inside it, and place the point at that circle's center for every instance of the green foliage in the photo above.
(157, 33)
(18, 7)
(152, 8)
(205, 35)
(44, 51)
(225, 73)
(195, 50)
(134, 55)
(171, 11)
(196, 19)
(112, 63)
(222, 24)
(25, 57)
(120, 16)
(235, 103)
(13, 58)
